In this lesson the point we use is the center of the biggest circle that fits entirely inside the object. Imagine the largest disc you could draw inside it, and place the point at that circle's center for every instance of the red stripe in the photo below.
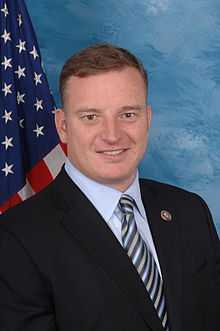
(64, 147)
(39, 176)
(11, 202)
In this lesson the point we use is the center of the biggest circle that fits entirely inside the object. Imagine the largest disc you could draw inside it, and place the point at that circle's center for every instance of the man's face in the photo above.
(105, 125)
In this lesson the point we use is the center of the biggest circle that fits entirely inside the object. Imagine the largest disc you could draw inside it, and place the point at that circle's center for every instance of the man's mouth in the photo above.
(113, 152)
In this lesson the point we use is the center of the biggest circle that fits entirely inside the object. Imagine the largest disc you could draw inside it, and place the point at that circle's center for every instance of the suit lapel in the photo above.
(92, 233)
(167, 240)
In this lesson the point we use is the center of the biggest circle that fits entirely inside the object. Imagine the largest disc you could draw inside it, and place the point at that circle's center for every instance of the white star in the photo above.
(37, 78)
(34, 53)
(20, 72)
(7, 116)
(7, 142)
(7, 169)
(38, 104)
(5, 10)
(7, 62)
(7, 89)
(19, 19)
(21, 123)
(39, 130)
(20, 98)
(21, 46)
(6, 36)
(55, 110)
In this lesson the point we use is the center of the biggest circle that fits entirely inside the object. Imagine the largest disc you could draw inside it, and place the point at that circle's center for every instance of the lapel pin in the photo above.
(165, 215)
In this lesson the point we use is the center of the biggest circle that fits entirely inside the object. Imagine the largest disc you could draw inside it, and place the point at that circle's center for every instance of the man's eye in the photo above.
(129, 115)
(89, 117)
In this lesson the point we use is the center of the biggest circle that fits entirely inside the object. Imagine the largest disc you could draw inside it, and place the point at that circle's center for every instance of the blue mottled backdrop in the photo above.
(179, 43)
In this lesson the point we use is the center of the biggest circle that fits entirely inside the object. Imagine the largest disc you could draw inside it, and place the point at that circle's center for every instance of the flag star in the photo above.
(55, 110)
(39, 130)
(34, 53)
(21, 46)
(19, 19)
(21, 123)
(7, 62)
(6, 36)
(38, 104)
(20, 72)
(7, 89)
(7, 116)
(37, 78)
(20, 98)
(5, 10)
(7, 169)
(7, 142)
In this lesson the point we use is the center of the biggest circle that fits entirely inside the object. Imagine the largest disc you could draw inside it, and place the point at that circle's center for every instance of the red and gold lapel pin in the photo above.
(166, 215)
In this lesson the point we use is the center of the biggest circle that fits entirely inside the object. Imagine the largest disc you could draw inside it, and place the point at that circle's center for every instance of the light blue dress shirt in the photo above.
(105, 199)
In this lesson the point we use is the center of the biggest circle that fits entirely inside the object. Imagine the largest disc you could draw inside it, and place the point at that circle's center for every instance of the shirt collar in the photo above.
(103, 197)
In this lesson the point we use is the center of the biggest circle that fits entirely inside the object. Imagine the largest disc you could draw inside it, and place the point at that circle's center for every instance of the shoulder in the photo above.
(30, 208)
(41, 211)
(168, 190)
(161, 186)
(189, 210)
(182, 201)
(35, 224)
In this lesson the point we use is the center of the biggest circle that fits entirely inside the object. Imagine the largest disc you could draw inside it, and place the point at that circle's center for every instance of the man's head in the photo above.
(106, 118)
(99, 59)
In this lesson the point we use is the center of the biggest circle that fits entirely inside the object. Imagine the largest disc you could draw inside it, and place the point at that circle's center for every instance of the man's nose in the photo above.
(111, 131)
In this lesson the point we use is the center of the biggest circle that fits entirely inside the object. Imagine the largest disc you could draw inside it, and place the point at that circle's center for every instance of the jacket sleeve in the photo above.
(214, 263)
(25, 303)
(215, 243)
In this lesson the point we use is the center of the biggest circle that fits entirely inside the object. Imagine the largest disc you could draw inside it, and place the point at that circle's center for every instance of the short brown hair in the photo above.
(98, 59)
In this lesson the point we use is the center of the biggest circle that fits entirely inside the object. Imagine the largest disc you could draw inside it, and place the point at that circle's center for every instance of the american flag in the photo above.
(30, 152)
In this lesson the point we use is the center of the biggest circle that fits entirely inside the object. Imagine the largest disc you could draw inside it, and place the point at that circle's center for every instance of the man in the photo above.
(99, 249)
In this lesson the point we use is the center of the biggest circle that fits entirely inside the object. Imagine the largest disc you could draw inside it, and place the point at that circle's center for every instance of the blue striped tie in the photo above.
(142, 258)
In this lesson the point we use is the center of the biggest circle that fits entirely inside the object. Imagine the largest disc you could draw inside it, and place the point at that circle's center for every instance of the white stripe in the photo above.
(124, 229)
(142, 261)
(164, 319)
(128, 235)
(54, 160)
(161, 309)
(26, 191)
(155, 284)
(158, 296)
(130, 250)
(151, 275)
(145, 274)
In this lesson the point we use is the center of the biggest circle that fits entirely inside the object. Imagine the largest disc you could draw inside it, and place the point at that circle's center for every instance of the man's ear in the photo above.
(149, 115)
(60, 121)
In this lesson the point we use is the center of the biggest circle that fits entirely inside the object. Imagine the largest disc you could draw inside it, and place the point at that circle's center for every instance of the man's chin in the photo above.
(118, 182)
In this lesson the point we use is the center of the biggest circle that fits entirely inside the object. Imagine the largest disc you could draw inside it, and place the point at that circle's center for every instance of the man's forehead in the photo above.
(105, 75)
(128, 83)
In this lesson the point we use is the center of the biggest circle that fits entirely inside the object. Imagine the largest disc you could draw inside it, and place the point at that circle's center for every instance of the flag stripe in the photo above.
(14, 200)
(54, 160)
(26, 191)
(39, 175)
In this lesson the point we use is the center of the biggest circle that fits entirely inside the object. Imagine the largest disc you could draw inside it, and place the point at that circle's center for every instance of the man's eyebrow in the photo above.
(87, 110)
(133, 107)
(97, 110)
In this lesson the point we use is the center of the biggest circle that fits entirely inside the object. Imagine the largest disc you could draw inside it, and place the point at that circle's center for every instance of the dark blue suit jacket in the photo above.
(62, 269)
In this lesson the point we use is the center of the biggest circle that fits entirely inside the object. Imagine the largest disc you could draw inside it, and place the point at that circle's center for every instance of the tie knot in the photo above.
(126, 204)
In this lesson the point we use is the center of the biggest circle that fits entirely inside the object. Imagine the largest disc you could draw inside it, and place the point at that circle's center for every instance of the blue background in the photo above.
(179, 43)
